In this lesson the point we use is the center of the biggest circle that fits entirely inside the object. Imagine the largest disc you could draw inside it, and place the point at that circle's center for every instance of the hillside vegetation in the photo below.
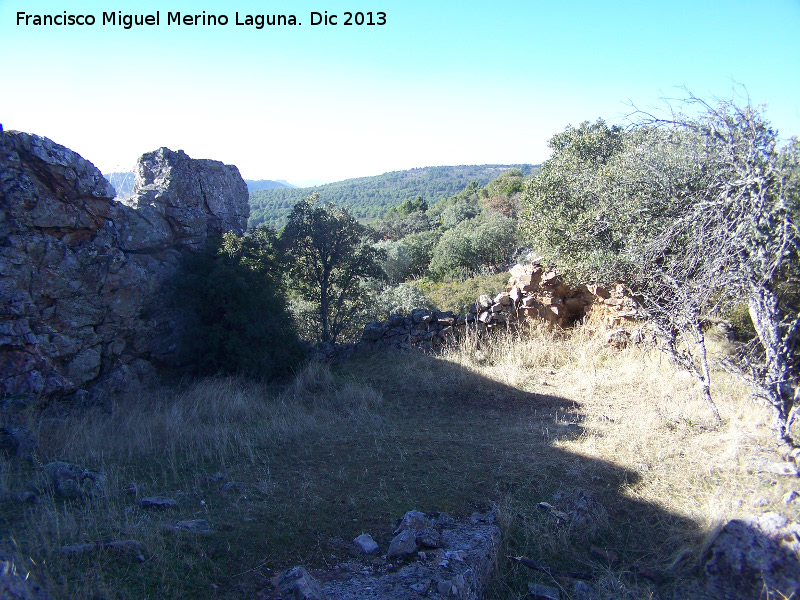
(371, 197)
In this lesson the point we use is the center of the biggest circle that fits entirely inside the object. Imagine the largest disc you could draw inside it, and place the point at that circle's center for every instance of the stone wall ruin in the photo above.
(534, 293)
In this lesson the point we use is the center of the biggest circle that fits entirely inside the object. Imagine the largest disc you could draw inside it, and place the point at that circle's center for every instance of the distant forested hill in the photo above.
(123, 183)
(266, 184)
(371, 197)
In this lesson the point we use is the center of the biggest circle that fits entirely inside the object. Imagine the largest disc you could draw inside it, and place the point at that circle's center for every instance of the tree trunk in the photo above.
(323, 312)
(778, 380)
(705, 374)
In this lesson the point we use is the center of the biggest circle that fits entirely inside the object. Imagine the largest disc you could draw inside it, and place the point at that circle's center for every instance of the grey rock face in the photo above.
(194, 198)
(81, 274)
(755, 558)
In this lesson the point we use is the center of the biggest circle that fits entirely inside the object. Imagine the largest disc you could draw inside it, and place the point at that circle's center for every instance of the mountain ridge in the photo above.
(122, 181)
(370, 197)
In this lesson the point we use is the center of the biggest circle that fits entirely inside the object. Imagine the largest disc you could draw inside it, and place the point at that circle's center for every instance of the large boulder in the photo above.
(193, 198)
(82, 276)
(754, 559)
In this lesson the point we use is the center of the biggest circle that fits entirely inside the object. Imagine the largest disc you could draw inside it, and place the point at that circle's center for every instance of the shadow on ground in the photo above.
(440, 438)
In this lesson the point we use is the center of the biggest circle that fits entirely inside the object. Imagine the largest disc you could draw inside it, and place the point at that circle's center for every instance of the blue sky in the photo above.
(442, 83)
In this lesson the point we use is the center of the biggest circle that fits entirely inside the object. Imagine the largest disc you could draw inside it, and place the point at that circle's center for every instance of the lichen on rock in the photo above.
(82, 275)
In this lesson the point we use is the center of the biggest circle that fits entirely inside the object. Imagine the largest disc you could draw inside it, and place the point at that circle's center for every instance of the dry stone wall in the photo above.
(533, 293)
(81, 274)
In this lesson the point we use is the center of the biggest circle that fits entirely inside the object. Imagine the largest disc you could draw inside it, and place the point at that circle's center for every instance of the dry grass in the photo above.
(289, 475)
(682, 475)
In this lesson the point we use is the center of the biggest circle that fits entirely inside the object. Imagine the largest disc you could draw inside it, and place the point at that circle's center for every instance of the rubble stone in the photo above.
(461, 569)
(532, 293)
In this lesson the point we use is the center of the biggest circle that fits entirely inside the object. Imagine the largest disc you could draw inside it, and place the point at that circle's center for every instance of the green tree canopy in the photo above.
(691, 212)
(329, 254)
(482, 241)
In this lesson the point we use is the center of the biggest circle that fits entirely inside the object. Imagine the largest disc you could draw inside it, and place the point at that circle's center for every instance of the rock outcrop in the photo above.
(81, 275)
(533, 293)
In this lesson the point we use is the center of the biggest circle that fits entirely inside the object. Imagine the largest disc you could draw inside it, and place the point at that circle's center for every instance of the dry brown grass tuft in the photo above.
(640, 414)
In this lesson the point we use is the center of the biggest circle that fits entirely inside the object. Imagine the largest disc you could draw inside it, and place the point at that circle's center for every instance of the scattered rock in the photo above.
(71, 481)
(194, 526)
(453, 588)
(403, 545)
(532, 292)
(297, 584)
(553, 511)
(755, 558)
(429, 538)
(414, 520)
(425, 533)
(366, 544)
(584, 591)
(544, 592)
(461, 569)
(373, 331)
(618, 338)
(441, 520)
(160, 502)
(130, 548)
(586, 514)
(503, 299)
(787, 469)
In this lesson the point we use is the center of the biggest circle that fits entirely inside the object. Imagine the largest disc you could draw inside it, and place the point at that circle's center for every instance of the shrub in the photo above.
(239, 320)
